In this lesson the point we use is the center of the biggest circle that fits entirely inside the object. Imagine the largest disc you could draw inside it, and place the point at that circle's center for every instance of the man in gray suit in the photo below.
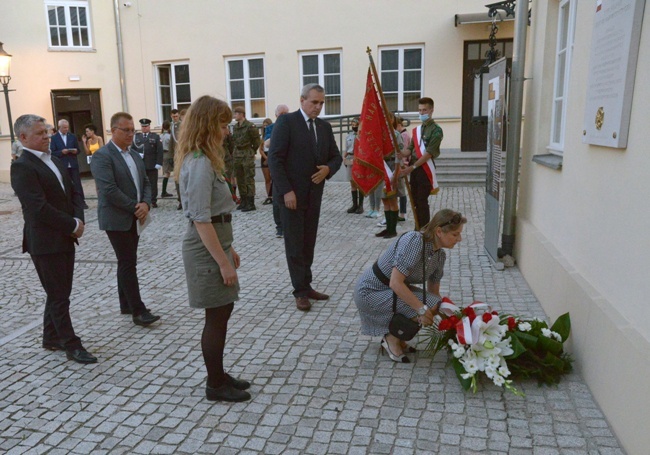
(124, 199)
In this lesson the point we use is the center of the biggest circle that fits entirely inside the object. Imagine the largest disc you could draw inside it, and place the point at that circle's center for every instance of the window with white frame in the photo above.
(324, 68)
(247, 85)
(564, 50)
(402, 76)
(172, 88)
(68, 24)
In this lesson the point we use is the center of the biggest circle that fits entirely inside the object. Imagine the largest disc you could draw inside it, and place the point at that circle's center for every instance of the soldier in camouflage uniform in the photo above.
(246, 138)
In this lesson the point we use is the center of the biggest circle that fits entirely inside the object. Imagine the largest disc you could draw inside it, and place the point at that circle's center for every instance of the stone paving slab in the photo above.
(319, 387)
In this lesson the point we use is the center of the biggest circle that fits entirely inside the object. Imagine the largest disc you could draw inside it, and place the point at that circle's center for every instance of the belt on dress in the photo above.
(379, 274)
(227, 218)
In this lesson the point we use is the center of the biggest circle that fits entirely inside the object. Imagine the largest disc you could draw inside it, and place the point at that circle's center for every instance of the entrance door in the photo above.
(474, 128)
(79, 108)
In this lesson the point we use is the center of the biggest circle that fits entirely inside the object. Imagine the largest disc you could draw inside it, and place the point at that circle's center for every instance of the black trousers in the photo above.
(300, 230)
(125, 245)
(277, 218)
(152, 175)
(76, 180)
(420, 190)
(55, 272)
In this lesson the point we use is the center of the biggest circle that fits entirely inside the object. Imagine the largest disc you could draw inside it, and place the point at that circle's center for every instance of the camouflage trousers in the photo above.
(244, 167)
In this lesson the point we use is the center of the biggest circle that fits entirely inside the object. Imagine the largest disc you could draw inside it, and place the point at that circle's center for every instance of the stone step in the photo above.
(461, 181)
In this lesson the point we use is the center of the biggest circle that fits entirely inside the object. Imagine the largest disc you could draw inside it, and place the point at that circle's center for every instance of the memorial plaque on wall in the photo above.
(612, 68)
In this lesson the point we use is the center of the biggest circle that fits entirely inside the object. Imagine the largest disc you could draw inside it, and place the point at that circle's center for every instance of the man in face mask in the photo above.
(424, 147)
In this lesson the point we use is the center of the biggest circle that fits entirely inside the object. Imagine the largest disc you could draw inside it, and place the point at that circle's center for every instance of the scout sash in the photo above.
(428, 167)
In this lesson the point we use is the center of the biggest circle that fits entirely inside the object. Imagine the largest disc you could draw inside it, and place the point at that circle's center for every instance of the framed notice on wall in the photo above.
(612, 67)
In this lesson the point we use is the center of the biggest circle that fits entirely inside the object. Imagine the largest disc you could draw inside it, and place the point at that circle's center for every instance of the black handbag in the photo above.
(400, 326)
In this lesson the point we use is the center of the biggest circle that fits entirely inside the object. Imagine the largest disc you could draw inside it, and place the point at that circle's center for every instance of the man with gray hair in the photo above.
(54, 220)
(302, 155)
(64, 146)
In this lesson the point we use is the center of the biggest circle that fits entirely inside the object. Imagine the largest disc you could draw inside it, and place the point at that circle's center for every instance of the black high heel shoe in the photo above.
(385, 348)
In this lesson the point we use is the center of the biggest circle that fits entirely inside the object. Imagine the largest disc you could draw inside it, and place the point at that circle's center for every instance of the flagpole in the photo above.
(390, 128)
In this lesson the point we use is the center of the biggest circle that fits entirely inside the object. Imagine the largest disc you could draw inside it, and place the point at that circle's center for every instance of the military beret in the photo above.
(145, 121)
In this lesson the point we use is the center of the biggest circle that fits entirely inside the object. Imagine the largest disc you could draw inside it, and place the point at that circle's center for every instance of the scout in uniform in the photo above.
(246, 139)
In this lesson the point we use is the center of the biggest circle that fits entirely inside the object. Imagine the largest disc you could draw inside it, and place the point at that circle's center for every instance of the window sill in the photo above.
(549, 160)
(71, 49)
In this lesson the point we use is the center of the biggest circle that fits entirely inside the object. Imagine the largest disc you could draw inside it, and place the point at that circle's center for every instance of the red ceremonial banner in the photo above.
(374, 141)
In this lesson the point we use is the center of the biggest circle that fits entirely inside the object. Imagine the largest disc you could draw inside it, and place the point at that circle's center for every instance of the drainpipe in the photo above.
(514, 127)
(120, 55)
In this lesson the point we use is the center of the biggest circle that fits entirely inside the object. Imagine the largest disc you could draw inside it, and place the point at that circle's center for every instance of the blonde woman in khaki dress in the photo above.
(209, 258)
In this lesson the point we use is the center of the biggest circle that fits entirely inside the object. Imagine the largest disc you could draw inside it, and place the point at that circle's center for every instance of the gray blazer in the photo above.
(116, 191)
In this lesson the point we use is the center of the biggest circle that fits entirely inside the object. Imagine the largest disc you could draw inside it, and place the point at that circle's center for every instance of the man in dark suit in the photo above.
(150, 148)
(303, 153)
(65, 147)
(124, 197)
(53, 214)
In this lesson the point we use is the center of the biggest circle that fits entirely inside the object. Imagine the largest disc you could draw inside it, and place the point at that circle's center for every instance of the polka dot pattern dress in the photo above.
(374, 299)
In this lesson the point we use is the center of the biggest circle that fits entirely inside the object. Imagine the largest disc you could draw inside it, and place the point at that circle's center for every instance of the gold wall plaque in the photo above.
(600, 118)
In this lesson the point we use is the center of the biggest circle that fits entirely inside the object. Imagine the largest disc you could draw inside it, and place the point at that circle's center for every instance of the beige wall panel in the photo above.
(582, 240)
(610, 353)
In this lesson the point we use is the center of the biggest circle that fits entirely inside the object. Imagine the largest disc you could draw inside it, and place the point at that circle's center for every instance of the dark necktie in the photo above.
(312, 130)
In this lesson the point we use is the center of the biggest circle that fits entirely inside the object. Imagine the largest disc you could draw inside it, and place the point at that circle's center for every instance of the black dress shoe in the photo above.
(390, 235)
(154, 205)
(50, 346)
(81, 356)
(226, 392)
(382, 233)
(145, 319)
(238, 384)
(167, 195)
(179, 206)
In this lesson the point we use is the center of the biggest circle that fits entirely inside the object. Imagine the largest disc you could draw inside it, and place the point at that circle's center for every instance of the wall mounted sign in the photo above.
(612, 67)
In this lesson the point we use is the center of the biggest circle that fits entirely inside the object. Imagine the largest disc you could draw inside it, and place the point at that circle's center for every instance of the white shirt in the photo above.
(46, 157)
(132, 167)
(64, 137)
(306, 117)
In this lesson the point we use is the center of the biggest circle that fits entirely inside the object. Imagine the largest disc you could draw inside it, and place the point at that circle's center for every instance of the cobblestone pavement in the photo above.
(319, 387)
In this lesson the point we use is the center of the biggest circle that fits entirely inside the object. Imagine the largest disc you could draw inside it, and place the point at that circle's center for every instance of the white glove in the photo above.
(158, 167)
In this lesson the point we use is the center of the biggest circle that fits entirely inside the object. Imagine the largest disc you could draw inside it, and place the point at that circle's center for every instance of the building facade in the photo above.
(67, 57)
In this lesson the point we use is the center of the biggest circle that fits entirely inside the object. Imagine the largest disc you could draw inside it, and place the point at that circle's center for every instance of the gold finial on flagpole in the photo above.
(368, 51)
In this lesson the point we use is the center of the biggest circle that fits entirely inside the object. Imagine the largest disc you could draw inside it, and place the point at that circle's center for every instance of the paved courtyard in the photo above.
(319, 387)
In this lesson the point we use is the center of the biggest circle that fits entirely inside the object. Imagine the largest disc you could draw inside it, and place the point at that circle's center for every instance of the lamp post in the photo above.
(5, 77)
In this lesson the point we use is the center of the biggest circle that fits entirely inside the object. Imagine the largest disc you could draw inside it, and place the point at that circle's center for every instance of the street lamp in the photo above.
(5, 77)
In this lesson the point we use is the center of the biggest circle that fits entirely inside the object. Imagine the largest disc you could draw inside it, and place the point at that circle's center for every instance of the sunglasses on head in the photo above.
(456, 219)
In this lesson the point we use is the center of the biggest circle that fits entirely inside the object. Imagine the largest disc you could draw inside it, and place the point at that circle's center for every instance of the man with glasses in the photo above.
(124, 199)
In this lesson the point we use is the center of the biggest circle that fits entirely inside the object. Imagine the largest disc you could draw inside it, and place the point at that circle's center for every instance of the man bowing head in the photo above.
(303, 153)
